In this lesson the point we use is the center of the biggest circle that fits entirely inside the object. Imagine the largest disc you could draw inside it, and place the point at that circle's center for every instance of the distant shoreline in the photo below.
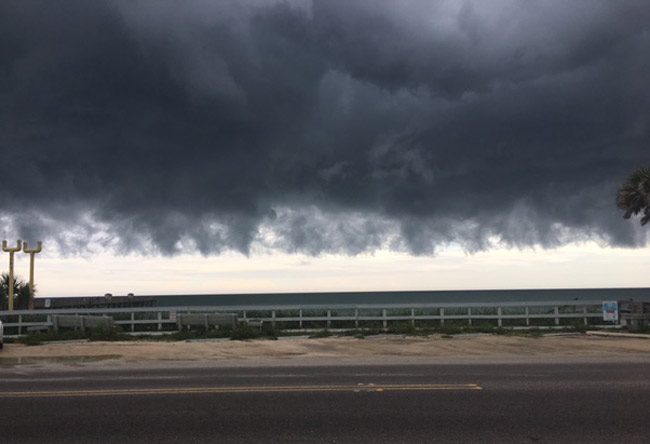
(380, 297)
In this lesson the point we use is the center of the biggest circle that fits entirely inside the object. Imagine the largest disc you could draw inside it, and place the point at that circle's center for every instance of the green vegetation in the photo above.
(21, 293)
(244, 332)
(640, 329)
(98, 334)
(403, 328)
(241, 332)
(321, 334)
(452, 330)
(634, 195)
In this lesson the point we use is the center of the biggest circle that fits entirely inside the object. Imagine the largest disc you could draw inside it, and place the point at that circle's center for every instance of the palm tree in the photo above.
(634, 195)
(21, 292)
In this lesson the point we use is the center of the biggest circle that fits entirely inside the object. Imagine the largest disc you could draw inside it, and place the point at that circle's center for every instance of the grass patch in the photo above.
(403, 328)
(31, 340)
(535, 333)
(107, 334)
(638, 329)
(360, 333)
(97, 334)
(243, 331)
(451, 330)
(320, 334)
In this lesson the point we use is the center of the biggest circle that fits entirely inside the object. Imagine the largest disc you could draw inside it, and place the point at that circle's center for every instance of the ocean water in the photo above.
(408, 297)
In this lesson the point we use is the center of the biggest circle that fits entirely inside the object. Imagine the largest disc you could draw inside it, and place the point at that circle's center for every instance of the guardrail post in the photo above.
(413, 317)
(159, 320)
(442, 317)
(584, 311)
(272, 318)
(469, 316)
(132, 321)
(329, 316)
(499, 320)
(20, 324)
(556, 311)
(300, 319)
(356, 318)
(82, 323)
(383, 318)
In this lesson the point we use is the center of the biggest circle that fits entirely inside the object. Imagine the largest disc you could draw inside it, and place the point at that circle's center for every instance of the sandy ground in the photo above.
(388, 348)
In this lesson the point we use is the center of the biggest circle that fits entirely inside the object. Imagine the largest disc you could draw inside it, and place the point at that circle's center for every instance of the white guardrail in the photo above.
(340, 316)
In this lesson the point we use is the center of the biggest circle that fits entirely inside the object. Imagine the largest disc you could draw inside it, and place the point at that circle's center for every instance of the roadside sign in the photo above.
(48, 303)
(610, 311)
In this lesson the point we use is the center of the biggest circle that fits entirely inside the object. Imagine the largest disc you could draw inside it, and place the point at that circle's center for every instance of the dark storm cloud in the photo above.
(327, 126)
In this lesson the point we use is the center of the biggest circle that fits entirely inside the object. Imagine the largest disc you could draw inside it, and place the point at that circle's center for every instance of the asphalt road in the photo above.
(415, 403)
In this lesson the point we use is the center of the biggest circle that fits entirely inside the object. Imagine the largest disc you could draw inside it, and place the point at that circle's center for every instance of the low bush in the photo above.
(31, 340)
(244, 331)
(450, 330)
(403, 328)
(320, 334)
(107, 334)
(95, 334)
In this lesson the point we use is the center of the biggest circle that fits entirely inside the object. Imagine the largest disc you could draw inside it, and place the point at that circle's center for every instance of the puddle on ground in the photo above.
(13, 361)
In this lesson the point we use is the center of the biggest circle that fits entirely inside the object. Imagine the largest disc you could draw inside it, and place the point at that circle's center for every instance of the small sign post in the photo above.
(610, 311)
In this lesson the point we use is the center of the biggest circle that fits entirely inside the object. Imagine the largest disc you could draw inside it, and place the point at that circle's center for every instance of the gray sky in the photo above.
(330, 127)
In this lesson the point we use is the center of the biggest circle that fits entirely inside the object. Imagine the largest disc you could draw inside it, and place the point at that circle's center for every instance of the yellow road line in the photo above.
(252, 389)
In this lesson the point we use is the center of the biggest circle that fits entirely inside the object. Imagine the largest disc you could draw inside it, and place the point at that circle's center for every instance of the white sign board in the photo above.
(48, 303)
(610, 311)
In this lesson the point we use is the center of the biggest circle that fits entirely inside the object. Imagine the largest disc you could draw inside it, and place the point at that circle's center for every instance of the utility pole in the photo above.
(11, 251)
(32, 252)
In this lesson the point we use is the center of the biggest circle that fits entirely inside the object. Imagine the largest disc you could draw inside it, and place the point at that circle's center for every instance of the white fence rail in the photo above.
(349, 316)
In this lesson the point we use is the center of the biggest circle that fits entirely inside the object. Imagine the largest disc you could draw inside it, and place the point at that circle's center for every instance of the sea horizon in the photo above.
(392, 296)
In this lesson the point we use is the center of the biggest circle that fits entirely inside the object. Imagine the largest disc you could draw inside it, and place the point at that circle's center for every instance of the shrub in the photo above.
(450, 330)
(320, 334)
(107, 334)
(31, 340)
(402, 328)
(244, 331)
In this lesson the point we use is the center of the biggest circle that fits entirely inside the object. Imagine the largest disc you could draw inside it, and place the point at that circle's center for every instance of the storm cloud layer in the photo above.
(325, 126)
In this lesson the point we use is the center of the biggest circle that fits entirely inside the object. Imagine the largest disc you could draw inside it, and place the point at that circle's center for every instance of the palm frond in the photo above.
(634, 195)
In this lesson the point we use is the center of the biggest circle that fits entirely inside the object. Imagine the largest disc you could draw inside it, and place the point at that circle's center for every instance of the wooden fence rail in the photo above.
(302, 317)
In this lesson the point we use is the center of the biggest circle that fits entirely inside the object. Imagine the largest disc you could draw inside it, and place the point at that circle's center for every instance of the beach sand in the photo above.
(334, 350)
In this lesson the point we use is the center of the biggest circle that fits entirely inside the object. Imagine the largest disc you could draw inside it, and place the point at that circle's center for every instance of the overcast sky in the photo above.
(327, 130)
